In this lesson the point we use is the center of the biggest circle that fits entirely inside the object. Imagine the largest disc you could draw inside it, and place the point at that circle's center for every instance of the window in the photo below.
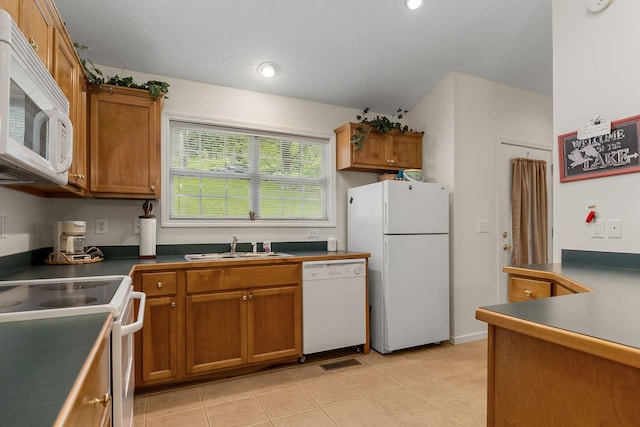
(244, 176)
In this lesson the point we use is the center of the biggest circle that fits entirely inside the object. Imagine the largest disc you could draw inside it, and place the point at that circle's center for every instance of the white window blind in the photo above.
(237, 174)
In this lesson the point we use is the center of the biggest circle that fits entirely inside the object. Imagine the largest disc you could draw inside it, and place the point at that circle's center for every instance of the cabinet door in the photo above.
(406, 151)
(66, 71)
(373, 152)
(275, 323)
(124, 141)
(91, 406)
(13, 7)
(37, 26)
(160, 339)
(216, 331)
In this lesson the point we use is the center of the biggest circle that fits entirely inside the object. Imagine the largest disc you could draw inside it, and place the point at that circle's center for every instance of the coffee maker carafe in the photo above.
(69, 237)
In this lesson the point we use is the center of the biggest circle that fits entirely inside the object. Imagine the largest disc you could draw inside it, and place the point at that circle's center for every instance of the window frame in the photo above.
(166, 221)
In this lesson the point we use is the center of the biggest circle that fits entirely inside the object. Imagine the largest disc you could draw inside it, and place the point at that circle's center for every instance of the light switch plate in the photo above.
(614, 228)
(484, 226)
(597, 229)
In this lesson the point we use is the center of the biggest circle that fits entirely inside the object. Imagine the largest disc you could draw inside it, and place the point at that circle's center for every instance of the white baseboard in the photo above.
(461, 339)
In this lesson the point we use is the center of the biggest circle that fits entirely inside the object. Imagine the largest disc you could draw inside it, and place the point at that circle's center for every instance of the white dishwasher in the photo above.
(334, 305)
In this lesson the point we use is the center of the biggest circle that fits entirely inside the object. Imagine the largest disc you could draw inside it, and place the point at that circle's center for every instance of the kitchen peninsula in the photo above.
(571, 360)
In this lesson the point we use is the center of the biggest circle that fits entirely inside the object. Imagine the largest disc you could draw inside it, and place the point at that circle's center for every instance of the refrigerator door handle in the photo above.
(385, 255)
(385, 220)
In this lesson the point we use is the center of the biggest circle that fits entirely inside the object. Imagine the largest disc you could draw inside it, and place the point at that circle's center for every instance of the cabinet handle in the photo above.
(153, 188)
(104, 400)
(33, 43)
(244, 297)
(159, 285)
(528, 292)
(250, 296)
(173, 304)
(506, 246)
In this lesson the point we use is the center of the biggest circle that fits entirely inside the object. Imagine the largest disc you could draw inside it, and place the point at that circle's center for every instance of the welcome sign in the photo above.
(603, 155)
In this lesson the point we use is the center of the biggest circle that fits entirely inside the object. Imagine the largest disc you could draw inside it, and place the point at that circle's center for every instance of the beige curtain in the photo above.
(529, 216)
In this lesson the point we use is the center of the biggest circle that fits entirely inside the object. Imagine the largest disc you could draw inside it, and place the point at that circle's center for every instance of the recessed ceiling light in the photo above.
(413, 4)
(268, 70)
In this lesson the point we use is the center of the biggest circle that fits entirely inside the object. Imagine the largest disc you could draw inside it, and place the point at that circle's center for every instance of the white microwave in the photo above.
(36, 135)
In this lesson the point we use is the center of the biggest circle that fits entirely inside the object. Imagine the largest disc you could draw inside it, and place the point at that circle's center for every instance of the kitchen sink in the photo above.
(233, 255)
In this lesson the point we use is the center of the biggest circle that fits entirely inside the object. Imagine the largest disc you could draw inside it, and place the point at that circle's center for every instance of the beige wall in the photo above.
(595, 73)
(474, 114)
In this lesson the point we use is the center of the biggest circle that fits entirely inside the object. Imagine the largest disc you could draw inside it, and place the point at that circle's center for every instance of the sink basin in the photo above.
(229, 255)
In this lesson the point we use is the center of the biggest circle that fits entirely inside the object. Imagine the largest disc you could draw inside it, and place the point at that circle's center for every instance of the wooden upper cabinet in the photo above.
(124, 143)
(13, 7)
(392, 151)
(36, 23)
(69, 76)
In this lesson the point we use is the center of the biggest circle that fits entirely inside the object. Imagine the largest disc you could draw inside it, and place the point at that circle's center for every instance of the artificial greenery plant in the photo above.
(381, 124)
(95, 76)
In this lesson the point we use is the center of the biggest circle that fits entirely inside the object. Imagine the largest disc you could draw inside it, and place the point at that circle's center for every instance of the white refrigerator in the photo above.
(405, 227)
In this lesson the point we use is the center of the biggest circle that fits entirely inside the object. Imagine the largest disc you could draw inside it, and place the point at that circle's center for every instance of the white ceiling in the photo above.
(353, 53)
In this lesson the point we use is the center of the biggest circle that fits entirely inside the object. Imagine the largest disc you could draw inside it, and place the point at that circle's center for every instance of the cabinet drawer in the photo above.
(158, 284)
(205, 280)
(522, 289)
(222, 279)
(267, 275)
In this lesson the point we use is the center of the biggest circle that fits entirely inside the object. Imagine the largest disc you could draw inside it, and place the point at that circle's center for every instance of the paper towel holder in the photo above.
(147, 232)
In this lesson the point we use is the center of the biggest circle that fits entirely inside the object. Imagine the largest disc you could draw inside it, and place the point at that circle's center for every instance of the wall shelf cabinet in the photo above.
(387, 152)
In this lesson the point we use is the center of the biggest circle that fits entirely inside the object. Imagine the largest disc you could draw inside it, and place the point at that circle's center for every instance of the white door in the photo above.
(415, 207)
(507, 151)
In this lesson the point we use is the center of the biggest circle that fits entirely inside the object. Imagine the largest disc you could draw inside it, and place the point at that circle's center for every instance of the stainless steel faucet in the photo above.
(234, 242)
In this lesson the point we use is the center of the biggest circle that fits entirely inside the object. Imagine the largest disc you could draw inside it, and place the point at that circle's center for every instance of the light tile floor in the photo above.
(435, 385)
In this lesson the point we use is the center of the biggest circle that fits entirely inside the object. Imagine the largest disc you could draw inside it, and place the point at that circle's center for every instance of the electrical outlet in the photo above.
(597, 229)
(136, 226)
(484, 226)
(614, 228)
(312, 233)
(102, 226)
(3, 227)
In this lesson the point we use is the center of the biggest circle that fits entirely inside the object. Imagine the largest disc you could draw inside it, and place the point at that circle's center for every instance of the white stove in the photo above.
(62, 297)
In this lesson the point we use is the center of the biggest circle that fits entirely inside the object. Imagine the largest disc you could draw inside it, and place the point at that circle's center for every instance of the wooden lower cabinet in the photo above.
(216, 333)
(89, 402)
(275, 323)
(157, 344)
(524, 288)
(534, 382)
(160, 339)
(199, 322)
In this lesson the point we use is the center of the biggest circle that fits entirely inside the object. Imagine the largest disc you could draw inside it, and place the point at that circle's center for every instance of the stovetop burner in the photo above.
(71, 301)
(74, 286)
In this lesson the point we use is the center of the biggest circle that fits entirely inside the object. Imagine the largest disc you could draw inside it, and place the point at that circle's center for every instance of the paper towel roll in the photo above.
(147, 237)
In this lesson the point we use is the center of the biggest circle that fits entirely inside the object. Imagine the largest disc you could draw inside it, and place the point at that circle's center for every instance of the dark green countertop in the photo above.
(39, 363)
(125, 265)
(611, 312)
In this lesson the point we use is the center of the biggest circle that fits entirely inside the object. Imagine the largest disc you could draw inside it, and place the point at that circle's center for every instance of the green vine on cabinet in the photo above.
(381, 124)
(96, 77)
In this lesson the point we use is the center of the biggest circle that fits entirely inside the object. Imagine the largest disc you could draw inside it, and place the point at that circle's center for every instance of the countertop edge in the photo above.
(584, 343)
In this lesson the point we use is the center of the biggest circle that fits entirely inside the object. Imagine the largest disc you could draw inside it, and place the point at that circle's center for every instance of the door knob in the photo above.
(506, 247)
